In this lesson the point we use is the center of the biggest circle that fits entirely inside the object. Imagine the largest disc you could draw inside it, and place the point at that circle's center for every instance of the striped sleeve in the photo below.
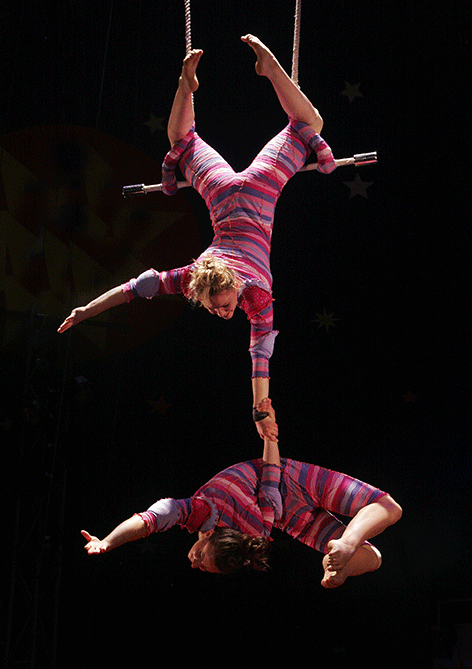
(169, 181)
(263, 336)
(164, 514)
(261, 349)
(269, 498)
(193, 514)
(151, 283)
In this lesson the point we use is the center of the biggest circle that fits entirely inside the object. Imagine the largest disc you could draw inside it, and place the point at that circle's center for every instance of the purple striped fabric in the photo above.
(312, 494)
(242, 205)
(242, 208)
(252, 497)
(245, 496)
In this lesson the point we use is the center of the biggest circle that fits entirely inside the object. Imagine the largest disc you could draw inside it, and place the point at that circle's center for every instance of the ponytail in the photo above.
(233, 550)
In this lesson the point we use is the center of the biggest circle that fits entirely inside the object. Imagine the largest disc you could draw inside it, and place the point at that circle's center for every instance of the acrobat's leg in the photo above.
(370, 511)
(182, 115)
(294, 102)
(366, 558)
(368, 522)
(322, 532)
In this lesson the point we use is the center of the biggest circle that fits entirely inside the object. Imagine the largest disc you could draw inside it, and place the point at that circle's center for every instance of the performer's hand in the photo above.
(267, 428)
(266, 405)
(77, 315)
(94, 545)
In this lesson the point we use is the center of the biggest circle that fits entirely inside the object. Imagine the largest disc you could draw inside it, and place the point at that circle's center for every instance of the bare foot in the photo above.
(188, 78)
(339, 554)
(366, 558)
(331, 578)
(266, 61)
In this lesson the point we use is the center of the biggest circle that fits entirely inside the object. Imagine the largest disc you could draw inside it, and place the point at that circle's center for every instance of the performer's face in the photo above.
(201, 553)
(223, 303)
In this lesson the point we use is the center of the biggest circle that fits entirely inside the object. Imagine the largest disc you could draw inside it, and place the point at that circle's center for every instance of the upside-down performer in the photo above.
(236, 510)
(234, 271)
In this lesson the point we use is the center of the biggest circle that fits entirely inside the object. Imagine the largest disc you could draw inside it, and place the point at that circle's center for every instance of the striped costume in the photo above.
(242, 208)
(252, 497)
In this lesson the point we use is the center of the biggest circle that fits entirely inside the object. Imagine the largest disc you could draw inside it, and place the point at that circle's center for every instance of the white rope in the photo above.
(188, 32)
(188, 28)
(296, 41)
(359, 159)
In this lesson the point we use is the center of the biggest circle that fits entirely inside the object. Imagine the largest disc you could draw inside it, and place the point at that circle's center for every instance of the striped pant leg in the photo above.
(270, 170)
(314, 494)
(205, 169)
(317, 529)
(279, 160)
(343, 494)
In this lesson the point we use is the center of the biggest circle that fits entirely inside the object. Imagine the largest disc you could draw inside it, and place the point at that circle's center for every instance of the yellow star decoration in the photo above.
(160, 405)
(326, 320)
(351, 91)
(155, 123)
(409, 397)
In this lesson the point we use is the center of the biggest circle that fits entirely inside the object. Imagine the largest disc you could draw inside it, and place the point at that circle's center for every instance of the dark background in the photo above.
(151, 400)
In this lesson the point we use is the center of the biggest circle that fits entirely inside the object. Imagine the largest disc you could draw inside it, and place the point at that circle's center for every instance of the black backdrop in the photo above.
(151, 400)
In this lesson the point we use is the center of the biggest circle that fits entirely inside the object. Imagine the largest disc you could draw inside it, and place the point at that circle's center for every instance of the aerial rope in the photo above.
(188, 28)
(356, 160)
(296, 41)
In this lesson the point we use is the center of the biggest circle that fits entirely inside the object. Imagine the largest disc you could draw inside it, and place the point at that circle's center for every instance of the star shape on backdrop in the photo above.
(155, 123)
(409, 398)
(160, 405)
(358, 187)
(351, 91)
(326, 320)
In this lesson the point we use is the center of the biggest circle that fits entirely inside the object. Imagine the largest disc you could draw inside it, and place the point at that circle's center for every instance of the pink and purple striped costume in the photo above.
(253, 497)
(242, 209)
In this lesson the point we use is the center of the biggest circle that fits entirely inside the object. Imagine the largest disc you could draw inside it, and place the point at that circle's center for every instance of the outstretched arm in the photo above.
(267, 427)
(111, 298)
(269, 498)
(271, 453)
(129, 530)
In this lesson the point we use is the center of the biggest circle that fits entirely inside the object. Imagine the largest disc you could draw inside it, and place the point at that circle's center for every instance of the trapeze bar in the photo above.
(138, 189)
(357, 160)
(365, 158)
(141, 189)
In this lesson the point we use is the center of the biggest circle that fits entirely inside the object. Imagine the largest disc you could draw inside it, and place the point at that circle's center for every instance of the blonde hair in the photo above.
(208, 277)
